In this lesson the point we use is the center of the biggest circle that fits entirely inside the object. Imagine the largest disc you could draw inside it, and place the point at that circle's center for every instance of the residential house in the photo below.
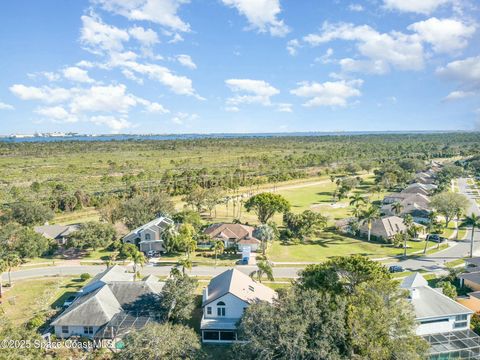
(150, 237)
(419, 213)
(384, 228)
(416, 188)
(224, 302)
(109, 306)
(234, 235)
(59, 233)
(443, 322)
(471, 280)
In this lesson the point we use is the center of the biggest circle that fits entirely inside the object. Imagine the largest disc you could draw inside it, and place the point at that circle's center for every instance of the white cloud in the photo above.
(182, 118)
(232, 108)
(417, 6)
(465, 72)
(74, 73)
(364, 66)
(186, 61)
(45, 93)
(457, 95)
(355, 7)
(325, 58)
(114, 123)
(445, 35)
(162, 12)
(175, 39)
(284, 107)
(56, 113)
(146, 37)
(250, 92)
(99, 37)
(292, 46)
(181, 85)
(111, 98)
(330, 93)
(261, 14)
(393, 49)
(5, 106)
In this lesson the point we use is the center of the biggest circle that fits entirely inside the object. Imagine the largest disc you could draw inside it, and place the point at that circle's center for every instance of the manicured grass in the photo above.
(29, 297)
(454, 263)
(333, 244)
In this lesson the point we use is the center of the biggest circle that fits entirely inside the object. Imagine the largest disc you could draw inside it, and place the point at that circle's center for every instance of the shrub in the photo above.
(85, 276)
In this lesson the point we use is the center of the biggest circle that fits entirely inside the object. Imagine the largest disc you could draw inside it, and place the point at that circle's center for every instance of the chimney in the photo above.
(205, 293)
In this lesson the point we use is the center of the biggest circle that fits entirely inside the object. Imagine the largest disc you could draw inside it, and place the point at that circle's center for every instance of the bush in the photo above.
(35, 322)
(85, 276)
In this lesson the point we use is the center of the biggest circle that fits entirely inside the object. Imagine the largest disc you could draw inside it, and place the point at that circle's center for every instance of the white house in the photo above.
(109, 306)
(150, 237)
(224, 302)
(442, 321)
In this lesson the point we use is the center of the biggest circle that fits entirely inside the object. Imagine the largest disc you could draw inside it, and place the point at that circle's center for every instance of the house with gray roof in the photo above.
(442, 321)
(59, 233)
(150, 237)
(384, 228)
(111, 296)
(224, 302)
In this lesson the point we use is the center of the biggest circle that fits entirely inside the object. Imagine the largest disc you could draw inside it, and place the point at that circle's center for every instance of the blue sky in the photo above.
(179, 66)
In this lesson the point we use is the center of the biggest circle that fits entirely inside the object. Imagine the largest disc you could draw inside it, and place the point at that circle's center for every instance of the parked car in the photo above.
(395, 269)
(435, 238)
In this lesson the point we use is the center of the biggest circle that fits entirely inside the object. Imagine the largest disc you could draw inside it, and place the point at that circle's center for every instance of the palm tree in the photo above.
(397, 207)
(357, 211)
(263, 268)
(185, 264)
(218, 247)
(357, 200)
(3, 267)
(11, 260)
(138, 259)
(265, 234)
(190, 247)
(408, 222)
(369, 215)
(474, 221)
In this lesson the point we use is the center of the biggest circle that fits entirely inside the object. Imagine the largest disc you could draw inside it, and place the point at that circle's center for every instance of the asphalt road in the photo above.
(436, 261)
(278, 272)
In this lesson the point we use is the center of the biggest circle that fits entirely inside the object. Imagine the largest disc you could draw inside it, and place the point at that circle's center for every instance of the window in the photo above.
(220, 308)
(211, 335)
(434, 321)
(227, 335)
(461, 324)
(147, 236)
(64, 329)
(209, 310)
(88, 329)
(461, 317)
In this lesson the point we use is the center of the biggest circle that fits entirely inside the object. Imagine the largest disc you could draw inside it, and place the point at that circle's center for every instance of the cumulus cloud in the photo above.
(99, 37)
(45, 93)
(250, 92)
(5, 106)
(284, 107)
(111, 98)
(186, 61)
(181, 118)
(355, 7)
(445, 35)
(417, 6)
(146, 37)
(392, 49)
(262, 15)
(77, 74)
(57, 113)
(330, 93)
(114, 123)
(162, 12)
(292, 46)
(458, 94)
(465, 72)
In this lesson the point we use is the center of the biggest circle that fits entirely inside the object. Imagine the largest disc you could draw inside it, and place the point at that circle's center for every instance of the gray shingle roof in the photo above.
(55, 231)
(242, 286)
(428, 302)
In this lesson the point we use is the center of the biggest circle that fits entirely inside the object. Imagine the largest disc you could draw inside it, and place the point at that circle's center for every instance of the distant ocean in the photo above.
(133, 137)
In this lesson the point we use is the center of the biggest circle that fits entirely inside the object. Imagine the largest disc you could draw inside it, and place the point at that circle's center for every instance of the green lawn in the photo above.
(332, 244)
(29, 297)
